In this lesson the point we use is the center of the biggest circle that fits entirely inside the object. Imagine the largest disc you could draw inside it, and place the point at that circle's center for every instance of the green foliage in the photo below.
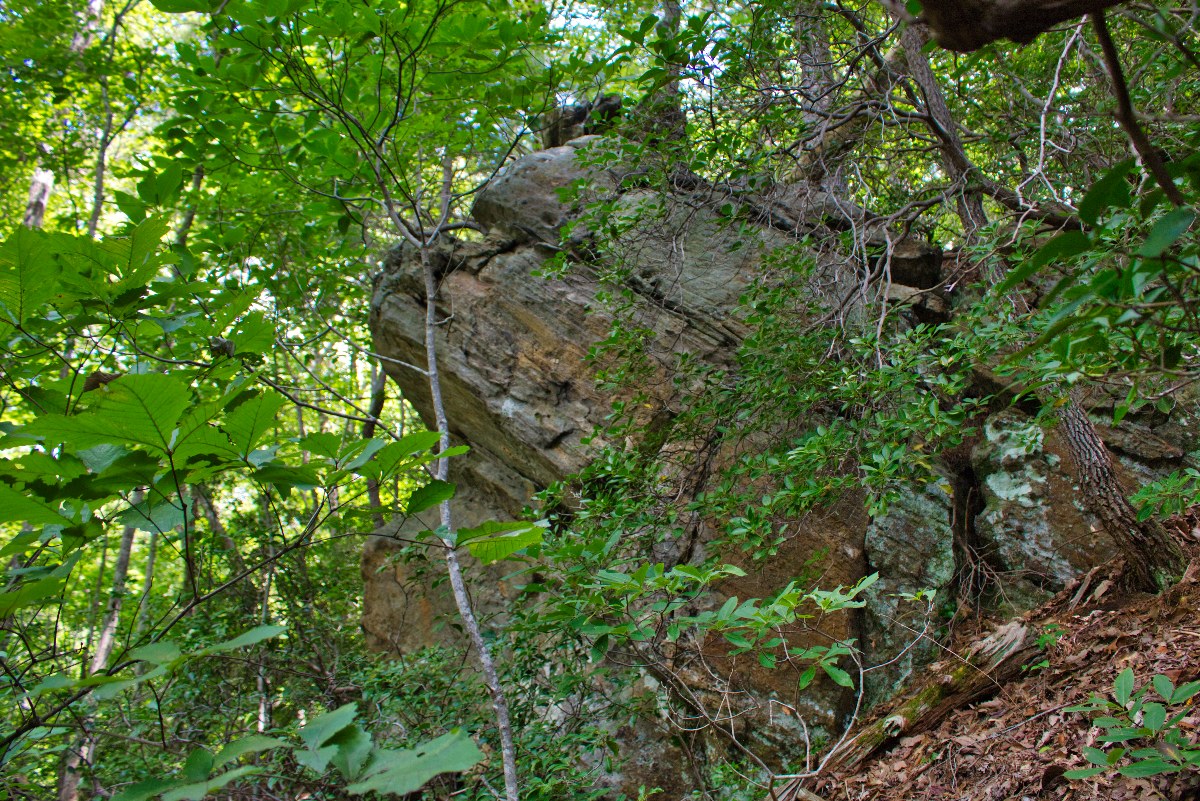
(332, 739)
(1151, 740)
(1124, 288)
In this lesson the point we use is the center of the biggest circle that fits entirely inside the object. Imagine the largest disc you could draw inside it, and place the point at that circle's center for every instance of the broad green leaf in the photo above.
(1148, 767)
(400, 772)
(251, 637)
(21, 507)
(1123, 686)
(322, 444)
(250, 422)
(134, 409)
(417, 442)
(1185, 691)
(429, 495)
(139, 250)
(158, 653)
(252, 744)
(353, 749)
(31, 593)
(185, 6)
(1166, 231)
(1110, 191)
(1061, 247)
(507, 539)
(1153, 716)
(145, 790)
(51, 683)
(324, 727)
(161, 517)
(1163, 686)
(316, 759)
(198, 765)
(201, 790)
(28, 273)
(838, 675)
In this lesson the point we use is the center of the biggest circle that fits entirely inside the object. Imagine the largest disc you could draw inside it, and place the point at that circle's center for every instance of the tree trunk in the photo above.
(378, 399)
(1153, 557)
(83, 750)
(40, 188)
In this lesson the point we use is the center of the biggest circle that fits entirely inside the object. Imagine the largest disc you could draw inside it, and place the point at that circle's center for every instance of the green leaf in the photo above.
(1166, 231)
(35, 592)
(1060, 248)
(400, 772)
(185, 6)
(251, 637)
(1110, 191)
(838, 675)
(198, 765)
(145, 790)
(1148, 767)
(251, 421)
(324, 727)
(429, 495)
(1123, 686)
(806, 677)
(19, 507)
(252, 744)
(1185, 691)
(353, 749)
(1083, 773)
(28, 273)
(201, 790)
(139, 251)
(137, 409)
(1153, 716)
(162, 518)
(511, 537)
(158, 653)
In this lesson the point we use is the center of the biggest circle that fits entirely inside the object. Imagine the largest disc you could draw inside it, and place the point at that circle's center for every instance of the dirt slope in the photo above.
(1016, 743)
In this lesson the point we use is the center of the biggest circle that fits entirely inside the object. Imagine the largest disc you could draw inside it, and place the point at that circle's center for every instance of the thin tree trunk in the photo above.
(40, 188)
(461, 597)
(378, 399)
(83, 750)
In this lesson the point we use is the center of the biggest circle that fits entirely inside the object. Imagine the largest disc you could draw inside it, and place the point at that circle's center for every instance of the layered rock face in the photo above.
(519, 388)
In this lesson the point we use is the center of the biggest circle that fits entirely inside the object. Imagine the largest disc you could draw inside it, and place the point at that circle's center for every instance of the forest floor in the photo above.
(1016, 743)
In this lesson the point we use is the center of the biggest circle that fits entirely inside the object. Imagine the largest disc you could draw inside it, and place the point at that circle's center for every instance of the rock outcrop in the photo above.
(520, 389)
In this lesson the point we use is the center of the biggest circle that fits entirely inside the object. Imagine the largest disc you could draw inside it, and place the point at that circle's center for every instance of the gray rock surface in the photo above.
(1033, 529)
(911, 546)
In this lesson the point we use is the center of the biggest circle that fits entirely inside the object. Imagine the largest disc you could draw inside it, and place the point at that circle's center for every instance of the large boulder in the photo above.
(515, 339)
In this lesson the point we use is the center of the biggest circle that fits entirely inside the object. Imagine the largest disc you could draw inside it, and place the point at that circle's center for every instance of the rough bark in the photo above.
(1153, 557)
(967, 25)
